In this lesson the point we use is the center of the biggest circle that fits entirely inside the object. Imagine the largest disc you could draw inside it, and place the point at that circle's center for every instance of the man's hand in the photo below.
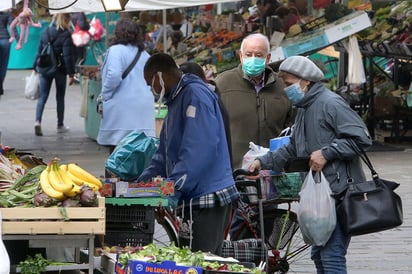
(317, 161)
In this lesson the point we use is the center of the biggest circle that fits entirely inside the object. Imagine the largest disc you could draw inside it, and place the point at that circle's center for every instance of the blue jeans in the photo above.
(60, 80)
(330, 259)
(4, 57)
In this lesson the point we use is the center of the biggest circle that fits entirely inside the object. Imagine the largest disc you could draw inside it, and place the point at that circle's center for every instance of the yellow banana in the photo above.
(84, 175)
(75, 180)
(74, 191)
(47, 188)
(66, 179)
(55, 179)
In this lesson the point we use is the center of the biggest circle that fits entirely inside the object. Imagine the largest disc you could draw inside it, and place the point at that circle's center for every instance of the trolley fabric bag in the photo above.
(370, 206)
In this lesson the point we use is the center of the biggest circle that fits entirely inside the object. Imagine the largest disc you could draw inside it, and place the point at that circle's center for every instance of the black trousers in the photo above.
(207, 230)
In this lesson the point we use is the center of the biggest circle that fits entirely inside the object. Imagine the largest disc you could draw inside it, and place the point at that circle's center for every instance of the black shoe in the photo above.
(37, 130)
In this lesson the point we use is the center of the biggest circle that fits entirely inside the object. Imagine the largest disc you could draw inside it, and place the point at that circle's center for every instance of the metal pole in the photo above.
(164, 31)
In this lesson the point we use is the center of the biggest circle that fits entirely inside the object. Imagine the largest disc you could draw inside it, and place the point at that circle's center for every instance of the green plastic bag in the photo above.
(131, 155)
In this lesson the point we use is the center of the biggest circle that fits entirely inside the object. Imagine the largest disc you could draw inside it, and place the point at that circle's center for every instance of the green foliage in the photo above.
(335, 11)
(34, 265)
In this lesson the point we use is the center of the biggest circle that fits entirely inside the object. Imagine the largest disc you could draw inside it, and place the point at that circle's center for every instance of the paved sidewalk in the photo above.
(385, 252)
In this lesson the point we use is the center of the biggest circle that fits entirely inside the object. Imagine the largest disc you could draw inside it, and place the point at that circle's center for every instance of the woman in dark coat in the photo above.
(59, 33)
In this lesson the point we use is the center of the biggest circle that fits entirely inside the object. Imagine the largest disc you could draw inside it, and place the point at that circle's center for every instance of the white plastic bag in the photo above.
(316, 212)
(32, 86)
(248, 158)
(356, 72)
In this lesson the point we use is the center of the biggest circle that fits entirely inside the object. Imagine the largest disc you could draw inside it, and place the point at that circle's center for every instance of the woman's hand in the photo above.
(317, 161)
(255, 166)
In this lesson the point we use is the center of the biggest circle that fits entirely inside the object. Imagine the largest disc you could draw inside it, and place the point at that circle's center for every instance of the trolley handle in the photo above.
(241, 181)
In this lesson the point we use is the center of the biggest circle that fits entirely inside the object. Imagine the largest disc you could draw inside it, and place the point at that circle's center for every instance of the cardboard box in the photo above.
(139, 267)
(132, 190)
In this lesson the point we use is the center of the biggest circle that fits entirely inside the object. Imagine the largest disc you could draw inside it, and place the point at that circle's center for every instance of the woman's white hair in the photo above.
(256, 36)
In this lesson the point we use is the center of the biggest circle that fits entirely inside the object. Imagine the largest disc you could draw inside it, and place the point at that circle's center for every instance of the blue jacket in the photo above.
(128, 104)
(193, 150)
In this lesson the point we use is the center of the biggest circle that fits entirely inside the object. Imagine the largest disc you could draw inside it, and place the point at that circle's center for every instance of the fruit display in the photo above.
(391, 30)
(32, 183)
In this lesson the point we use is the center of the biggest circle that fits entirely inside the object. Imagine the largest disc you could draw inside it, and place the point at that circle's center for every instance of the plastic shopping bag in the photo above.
(131, 155)
(32, 86)
(316, 212)
(80, 37)
(267, 187)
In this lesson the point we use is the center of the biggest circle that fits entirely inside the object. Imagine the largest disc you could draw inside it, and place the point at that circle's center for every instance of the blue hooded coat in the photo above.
(193, 150)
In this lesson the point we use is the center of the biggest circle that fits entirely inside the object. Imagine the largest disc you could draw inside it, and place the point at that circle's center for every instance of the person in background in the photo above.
(196, 69)
(288, 17)
(267, 8)
(59, 32)
(80, 19)
(329, 132)
(128, 104)
(253, 96)
(193, 153)
(5, 20)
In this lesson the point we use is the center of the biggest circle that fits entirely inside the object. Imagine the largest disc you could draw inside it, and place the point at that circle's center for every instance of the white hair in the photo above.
(256, 36)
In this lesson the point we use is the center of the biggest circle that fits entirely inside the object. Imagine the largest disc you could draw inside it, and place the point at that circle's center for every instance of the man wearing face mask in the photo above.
(253, 96)
(193, 153)
(325, 130)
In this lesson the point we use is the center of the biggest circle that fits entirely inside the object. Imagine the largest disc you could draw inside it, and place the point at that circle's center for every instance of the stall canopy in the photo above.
(96, 5)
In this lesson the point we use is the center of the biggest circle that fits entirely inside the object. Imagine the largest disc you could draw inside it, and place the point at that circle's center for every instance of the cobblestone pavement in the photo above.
(385, 252)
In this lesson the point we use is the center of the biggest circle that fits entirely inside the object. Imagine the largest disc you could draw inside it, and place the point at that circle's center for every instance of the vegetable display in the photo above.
(181, 256)
(35, 184)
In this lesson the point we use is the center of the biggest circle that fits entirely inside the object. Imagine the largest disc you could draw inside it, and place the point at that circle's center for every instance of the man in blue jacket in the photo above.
(193, 152)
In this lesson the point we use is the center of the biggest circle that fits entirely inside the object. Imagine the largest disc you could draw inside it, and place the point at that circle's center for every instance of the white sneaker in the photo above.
(62, 129)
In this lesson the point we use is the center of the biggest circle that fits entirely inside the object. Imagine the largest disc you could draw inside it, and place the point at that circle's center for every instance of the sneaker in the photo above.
(62, 129)
(37, 130)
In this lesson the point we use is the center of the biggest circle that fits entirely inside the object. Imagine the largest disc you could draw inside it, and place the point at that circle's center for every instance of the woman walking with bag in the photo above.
(59, 35)
(128, 103)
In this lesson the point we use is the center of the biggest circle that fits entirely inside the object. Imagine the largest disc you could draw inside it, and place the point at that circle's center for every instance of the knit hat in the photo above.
(302, 67)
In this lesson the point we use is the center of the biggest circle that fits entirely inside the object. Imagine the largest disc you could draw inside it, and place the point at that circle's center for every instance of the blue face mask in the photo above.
(294, 92)
(253, 66)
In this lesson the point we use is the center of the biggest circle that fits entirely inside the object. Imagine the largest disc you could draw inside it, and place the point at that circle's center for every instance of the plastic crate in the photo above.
(288, 185)
(127, 238)
(130, 217)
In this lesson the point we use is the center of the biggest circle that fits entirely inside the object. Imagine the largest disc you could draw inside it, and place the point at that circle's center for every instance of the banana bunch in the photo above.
(62, 181)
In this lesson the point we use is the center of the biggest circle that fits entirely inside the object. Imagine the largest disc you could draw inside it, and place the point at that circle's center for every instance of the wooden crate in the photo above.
(49, 220)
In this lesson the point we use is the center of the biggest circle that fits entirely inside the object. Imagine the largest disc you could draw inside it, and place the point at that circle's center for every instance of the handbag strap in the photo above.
(362, 154)
(132, 64)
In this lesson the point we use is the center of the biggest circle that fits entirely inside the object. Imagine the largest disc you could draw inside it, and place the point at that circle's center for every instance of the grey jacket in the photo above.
(325, 121)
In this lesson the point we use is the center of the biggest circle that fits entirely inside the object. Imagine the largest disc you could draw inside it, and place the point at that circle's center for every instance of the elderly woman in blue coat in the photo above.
(128, 104)
(330, 133)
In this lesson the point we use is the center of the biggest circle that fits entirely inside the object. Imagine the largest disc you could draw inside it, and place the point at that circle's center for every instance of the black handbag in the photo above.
(370, 206)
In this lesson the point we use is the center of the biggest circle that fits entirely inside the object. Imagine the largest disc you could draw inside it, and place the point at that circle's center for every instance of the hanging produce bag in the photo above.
(356, 72)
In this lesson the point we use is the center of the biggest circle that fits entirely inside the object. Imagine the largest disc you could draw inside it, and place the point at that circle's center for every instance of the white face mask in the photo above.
(158, 96)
